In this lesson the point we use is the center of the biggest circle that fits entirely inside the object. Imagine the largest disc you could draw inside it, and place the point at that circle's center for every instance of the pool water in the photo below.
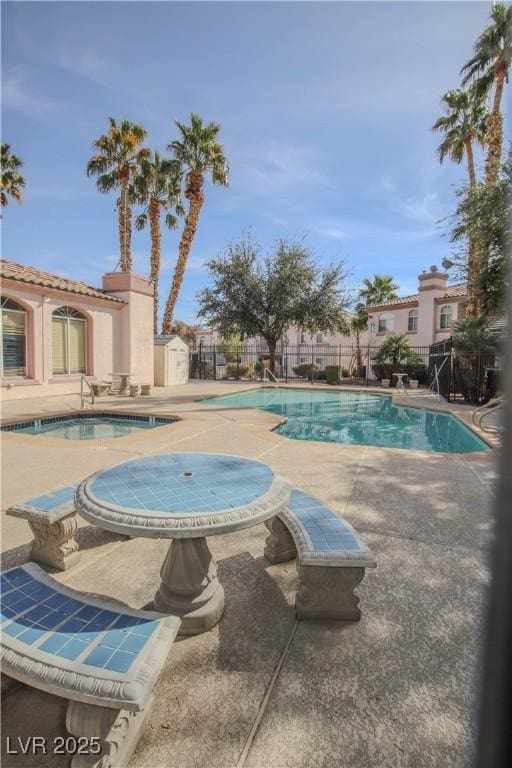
(89, 426)
(358, 418)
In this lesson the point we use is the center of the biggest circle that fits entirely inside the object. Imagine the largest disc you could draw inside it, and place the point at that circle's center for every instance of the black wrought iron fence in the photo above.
(454, 376)
(313, 363)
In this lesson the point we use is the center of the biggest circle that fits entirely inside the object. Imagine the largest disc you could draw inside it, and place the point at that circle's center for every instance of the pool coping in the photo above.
(395, 395)
(169, 419)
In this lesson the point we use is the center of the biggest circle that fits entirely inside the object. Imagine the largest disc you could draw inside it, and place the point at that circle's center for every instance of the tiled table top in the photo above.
(182, 491)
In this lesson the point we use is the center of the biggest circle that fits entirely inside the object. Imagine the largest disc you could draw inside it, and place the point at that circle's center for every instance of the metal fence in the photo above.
(456, 377)
(294, 363)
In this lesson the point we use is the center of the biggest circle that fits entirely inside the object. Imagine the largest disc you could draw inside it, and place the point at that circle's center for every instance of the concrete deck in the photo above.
(261, 690)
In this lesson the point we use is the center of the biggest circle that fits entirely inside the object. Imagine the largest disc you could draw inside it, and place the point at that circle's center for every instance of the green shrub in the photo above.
(345, 373)
(236, 371)
(320, 375)
(417, 371)
(332, 374)
(306, 370)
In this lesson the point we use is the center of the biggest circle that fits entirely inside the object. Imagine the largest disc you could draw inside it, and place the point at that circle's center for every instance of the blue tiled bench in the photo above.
(331, 558)
(103, 657)
(53, 520)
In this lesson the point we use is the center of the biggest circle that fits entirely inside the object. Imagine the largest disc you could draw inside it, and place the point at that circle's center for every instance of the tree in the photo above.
(12, 180)
(464, 122)
(198, 152)
(229, 346)
(483, 214)
(256, 296)
(489, 65)
(475, 344)
(118, 154)
(358, 324)
(382, 288)
(187, 332)
(394, 350)
(157, 187)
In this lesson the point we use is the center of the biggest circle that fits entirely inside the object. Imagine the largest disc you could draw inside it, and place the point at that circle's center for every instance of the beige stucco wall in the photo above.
(119, 336)
(135, 342)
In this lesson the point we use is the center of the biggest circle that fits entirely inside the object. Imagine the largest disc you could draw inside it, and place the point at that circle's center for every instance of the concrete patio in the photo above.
(262, 690)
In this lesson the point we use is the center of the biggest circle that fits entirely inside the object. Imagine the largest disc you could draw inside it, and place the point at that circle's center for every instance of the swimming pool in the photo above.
(358, 418)
(88, 426)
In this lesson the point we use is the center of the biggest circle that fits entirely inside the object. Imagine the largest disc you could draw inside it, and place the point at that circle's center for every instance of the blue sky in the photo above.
(325, 109)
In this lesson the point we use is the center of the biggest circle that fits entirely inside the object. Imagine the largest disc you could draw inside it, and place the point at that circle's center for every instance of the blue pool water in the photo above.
(88, 426)
(358, 418)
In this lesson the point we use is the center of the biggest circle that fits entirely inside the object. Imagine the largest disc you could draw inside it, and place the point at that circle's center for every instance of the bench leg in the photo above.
(54, 544)
(119, 732)
(326, 592)
(279, 545)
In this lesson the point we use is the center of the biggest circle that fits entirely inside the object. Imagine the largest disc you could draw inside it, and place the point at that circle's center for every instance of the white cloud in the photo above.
(86, 63)
(335, 233)
(277, 167)
(17, 95)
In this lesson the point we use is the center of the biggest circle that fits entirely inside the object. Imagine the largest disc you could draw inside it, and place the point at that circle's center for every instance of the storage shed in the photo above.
(171, 361)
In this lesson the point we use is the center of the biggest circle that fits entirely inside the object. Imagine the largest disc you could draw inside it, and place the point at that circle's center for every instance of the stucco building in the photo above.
(55, 329)
(425, 317)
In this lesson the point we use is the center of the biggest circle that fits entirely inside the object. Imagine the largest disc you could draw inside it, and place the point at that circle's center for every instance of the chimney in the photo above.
(433, 280)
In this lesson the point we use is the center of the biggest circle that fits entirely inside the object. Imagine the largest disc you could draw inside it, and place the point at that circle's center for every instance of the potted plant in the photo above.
(413, 383)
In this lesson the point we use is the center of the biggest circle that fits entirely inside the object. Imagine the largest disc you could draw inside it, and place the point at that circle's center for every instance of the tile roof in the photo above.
(25, 274)
(460, 289)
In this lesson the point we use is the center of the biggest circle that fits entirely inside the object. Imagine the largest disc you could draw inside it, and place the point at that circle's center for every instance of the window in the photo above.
(302, 337)
(319, 338)
(386, 323)
(446, 317)
(412, 322)
(68, 341)
(14, 338)
(320, 361)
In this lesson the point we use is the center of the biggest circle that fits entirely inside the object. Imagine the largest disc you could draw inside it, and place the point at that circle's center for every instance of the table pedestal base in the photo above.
(190, 587)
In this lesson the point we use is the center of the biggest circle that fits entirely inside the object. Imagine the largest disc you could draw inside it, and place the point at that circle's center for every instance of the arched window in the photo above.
(446, 317)
(412, 321)
(386, 322)
(68, 341)
(14, 338)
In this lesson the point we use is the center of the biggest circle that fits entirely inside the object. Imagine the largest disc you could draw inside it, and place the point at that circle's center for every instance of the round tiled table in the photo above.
(184, 497)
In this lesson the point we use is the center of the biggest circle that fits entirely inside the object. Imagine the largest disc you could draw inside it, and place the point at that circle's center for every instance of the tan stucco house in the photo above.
(425, 317)
(55, 329)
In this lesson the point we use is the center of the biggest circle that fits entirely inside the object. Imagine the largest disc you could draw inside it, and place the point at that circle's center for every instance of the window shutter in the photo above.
(77, 346)
(13, 343)
(60, 363)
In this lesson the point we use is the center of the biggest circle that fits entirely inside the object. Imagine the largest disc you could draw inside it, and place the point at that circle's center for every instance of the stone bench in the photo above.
(53, 520)
(331, 558)
(102, 388)
(102, 656)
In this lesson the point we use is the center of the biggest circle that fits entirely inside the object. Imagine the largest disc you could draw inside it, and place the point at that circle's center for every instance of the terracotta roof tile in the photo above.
(460, 289)
(25, 274)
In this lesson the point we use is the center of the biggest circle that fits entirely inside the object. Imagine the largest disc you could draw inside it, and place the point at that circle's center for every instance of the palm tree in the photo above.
(489, 65)
(382, 288)
(358, 324)
(198, 152)
(157, 187)
(12, 180)
(116, 162)
(395, 350)
(464, 123)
